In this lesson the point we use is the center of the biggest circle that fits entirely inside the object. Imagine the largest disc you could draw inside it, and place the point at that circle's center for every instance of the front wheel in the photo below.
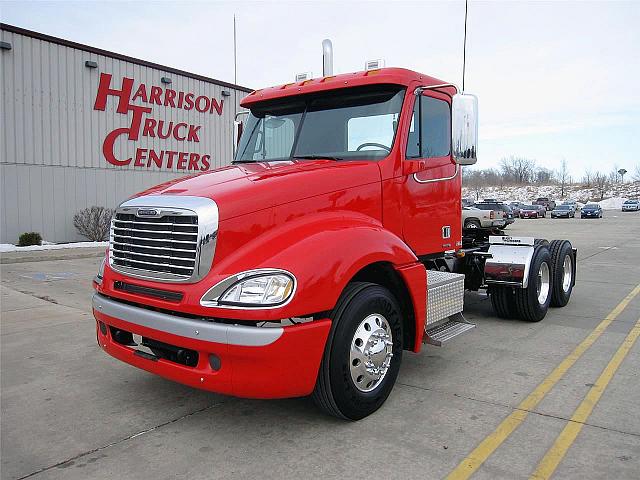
(363, 352)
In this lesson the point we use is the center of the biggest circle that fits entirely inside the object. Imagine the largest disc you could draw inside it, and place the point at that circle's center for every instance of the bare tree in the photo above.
(614, 176)
(636, 172)
(601, 182)
(587, 178)
(563, 176)
(518, 170)
(542, 176)
(93, 222)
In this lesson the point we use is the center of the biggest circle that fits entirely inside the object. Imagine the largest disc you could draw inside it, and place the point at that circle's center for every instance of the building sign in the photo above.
(144, 124)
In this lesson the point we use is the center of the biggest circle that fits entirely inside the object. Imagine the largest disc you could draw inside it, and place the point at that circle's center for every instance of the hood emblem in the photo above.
(147, 212)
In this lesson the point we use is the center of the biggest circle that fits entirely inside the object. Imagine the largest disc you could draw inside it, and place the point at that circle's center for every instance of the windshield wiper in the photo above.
(244, 161)
(316, 157)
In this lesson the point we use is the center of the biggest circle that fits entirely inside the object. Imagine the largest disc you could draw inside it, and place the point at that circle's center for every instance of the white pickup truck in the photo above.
(475, 218)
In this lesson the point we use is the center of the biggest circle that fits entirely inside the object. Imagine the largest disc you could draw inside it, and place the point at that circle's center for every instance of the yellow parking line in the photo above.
(556, 453)
(479, 455)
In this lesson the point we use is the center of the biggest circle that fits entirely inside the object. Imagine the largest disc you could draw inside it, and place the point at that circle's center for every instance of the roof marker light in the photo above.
(374, 64)
(301, 77)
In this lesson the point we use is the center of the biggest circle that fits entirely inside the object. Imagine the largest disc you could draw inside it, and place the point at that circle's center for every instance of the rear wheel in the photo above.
(533, 302)
(363, 352)
(503, 301)
(472, 223)
(563, 263)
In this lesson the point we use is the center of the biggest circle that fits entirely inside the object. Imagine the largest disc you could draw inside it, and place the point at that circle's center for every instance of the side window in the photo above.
(430, 131)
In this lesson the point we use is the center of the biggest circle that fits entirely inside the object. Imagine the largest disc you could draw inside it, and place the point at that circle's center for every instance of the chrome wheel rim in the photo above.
(543, 283)
(371, 352)
(472, 225)
(567, 274)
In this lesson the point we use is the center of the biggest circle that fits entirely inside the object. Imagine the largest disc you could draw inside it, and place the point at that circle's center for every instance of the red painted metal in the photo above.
(321, 220)
(286, 368)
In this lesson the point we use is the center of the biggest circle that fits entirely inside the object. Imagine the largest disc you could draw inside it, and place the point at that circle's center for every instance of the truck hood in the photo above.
(246, 188)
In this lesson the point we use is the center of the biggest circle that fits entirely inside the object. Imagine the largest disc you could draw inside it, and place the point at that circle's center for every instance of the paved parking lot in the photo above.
(70, 411)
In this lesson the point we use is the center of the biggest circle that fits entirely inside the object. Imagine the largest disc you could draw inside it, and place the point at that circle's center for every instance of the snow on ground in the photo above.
(8, 247)
(614, 203)
(613, 197)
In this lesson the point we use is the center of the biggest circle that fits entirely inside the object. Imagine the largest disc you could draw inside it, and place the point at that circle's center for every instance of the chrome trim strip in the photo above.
(219, 288)
(186, 327)
(443, 179)
(422, 88)
(208, 218)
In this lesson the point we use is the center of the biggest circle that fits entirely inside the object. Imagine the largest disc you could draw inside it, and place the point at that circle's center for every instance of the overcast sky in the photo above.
(555, 80)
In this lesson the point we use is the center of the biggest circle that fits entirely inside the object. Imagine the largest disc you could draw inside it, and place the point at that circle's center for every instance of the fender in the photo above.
(323, 251)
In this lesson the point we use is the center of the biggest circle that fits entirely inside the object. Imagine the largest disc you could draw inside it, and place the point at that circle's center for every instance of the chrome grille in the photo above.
(166, 238)
(166, 244)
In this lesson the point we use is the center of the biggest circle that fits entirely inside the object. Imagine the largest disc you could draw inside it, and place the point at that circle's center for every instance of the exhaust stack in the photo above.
(327, 58)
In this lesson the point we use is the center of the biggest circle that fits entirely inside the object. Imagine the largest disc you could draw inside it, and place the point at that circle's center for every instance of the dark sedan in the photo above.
(563, 211)
(591, 210)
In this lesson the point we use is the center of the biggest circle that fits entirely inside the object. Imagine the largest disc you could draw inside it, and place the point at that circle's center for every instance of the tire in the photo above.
(503, 301)
(562, 285)
(472, 223)
(528, 305)
(337, 392)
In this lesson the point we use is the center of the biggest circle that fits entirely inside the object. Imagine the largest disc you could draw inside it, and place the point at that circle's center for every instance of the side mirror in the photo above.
(464, 128)
(238, 125)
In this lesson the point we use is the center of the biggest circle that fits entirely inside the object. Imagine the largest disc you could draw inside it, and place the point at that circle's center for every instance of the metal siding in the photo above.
(51, 143)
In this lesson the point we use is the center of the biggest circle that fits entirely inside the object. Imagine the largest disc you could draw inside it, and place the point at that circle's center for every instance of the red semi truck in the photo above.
(330, 245)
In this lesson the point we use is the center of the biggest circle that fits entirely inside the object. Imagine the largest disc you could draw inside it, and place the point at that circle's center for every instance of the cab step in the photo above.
(443, 332)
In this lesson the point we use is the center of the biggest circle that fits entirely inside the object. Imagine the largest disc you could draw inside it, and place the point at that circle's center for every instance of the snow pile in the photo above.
(8, 247)
(614, 203)
(613, 198)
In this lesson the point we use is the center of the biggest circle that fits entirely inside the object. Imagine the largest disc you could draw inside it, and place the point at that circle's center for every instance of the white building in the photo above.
(83, 126)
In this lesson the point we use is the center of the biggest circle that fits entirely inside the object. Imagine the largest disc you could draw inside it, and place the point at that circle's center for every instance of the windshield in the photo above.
(358, 123)
(564, 207)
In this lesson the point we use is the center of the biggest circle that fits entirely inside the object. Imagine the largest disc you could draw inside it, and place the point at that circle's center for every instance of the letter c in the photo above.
(107, 147)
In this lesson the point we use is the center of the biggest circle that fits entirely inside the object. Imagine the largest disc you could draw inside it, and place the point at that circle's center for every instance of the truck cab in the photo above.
(332, 243)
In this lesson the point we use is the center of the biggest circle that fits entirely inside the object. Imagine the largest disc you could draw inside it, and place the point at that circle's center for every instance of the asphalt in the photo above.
(70, 411)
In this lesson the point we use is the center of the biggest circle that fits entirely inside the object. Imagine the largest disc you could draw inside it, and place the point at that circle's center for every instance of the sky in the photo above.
(555, 80)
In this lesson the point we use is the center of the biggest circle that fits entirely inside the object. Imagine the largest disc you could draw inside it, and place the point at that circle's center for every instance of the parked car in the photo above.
(476, 218)
(563, 211)
(498, 207)
(530, 211)
(572, 203)
(631, 206)
(591, 210)
(546, 202)
(515, 208)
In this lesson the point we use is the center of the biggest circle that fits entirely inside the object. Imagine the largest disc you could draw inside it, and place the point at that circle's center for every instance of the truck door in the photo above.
(431, 196)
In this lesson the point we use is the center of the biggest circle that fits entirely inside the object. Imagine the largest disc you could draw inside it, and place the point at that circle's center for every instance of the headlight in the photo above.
(98, 278)
(255, 288)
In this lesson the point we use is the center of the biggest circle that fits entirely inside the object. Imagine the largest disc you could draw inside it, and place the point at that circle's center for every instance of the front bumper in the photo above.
(239, 360)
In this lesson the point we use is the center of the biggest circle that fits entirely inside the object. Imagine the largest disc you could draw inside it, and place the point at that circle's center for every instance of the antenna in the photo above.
(235, 63)
(464, 48)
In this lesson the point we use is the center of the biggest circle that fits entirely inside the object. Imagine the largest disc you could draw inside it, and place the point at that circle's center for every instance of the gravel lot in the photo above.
(70, 411)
